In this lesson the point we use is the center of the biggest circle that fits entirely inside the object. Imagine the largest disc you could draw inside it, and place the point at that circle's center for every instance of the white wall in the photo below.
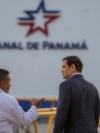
(36, 73)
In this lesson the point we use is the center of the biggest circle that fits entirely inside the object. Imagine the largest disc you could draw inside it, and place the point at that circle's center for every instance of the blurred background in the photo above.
(36, 34)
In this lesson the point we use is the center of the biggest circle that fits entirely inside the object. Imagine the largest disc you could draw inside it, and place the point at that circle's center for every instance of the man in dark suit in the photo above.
(78, 101)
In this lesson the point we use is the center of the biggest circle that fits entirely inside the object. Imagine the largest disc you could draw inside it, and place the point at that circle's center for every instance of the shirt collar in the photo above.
(76, 74)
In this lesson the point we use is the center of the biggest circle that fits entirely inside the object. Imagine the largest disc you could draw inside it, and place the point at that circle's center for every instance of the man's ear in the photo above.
(2, 83)
(73, 67)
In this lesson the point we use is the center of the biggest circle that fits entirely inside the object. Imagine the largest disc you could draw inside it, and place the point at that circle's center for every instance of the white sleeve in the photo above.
(19, 116)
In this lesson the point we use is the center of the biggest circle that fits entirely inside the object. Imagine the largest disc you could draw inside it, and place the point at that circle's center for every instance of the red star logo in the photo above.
(36, 16)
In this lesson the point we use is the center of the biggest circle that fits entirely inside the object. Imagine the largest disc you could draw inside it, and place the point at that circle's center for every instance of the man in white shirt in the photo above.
(10, 110)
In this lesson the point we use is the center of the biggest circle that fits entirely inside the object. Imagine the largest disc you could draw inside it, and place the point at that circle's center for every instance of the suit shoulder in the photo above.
(65, 83)
(93, 85)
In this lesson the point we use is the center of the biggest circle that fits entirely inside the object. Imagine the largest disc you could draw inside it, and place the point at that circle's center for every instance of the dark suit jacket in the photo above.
(78, 107)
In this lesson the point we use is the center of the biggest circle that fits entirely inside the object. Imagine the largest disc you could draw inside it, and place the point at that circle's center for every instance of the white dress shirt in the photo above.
(11, 112)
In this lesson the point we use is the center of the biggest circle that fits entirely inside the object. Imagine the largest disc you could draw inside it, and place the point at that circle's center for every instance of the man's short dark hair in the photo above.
(3, 74)
(76, 61)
